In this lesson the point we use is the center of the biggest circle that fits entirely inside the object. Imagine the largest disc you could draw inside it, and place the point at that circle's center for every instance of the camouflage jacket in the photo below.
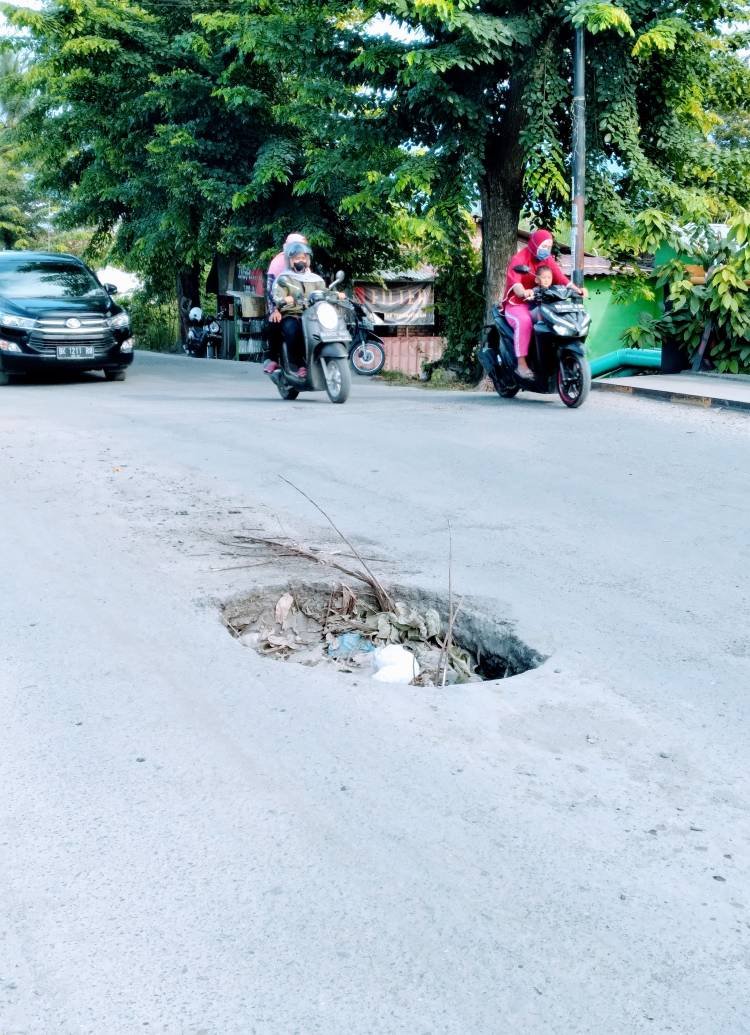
(299, 285)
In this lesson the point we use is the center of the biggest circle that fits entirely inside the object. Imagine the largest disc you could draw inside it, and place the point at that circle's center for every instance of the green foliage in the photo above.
(646, 334)
(724, 299)
(177, 129)
(546, 100)
(601, 17)
(459, 303)
(18, 222)
(154, 322)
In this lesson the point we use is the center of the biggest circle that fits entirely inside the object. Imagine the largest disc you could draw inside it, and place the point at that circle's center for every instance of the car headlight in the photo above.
(8, 346)
(20, 323)
(327, 316)
(127, 345)
(120, 322)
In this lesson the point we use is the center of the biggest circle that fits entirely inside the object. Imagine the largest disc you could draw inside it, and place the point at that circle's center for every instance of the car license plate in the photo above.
(75, 351)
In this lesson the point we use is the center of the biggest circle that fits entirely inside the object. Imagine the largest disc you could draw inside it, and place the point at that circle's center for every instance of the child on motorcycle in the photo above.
(519, 292)
(543, 280)
(544, 277)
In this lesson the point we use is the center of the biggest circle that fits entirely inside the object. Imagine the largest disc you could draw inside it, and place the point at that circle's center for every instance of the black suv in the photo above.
(55, 315)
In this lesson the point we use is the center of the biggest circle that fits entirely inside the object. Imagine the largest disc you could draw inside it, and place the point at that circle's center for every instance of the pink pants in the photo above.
(518, 316)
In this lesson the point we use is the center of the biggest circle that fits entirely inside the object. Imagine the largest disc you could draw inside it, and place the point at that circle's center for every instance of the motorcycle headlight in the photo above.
(213, 327)
(327, 316)
(19, 323)
(120, 322)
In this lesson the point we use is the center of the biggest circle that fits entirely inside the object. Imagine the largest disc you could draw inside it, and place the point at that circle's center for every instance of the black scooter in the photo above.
(204, 336)
(367, 350)
(558, 352)
(327, 342)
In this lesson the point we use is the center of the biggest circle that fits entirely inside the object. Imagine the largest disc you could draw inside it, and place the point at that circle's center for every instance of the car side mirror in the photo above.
(338, 279)
(522, 269)
(111, 289)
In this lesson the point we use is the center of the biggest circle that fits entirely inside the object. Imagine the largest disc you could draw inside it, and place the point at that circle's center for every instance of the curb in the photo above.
(664, 395)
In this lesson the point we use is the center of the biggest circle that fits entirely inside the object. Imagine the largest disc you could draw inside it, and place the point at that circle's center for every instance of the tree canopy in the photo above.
(17, 203)
(181, 129)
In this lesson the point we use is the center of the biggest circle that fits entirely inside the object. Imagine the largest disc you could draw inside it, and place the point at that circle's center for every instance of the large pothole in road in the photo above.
(423, 639)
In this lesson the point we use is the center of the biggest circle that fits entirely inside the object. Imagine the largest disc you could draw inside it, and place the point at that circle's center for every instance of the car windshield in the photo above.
(47, 278)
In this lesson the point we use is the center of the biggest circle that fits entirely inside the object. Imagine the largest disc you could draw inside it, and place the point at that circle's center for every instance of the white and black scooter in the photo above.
(203, 339)
(558, 348)
(327, 342)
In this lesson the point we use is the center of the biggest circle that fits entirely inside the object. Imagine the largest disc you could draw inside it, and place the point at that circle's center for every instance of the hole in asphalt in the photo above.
(313, 623)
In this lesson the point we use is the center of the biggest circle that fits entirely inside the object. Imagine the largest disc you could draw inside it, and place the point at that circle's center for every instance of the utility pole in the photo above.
(579, 156)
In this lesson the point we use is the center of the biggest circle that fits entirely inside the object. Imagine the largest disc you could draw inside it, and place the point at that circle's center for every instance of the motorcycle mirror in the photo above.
(522, 269)
(337, 279)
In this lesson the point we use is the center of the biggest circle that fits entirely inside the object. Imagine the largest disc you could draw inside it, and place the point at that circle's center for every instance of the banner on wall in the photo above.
(399, 303)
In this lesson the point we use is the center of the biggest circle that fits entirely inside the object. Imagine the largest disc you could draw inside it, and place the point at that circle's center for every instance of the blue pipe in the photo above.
(645, 359)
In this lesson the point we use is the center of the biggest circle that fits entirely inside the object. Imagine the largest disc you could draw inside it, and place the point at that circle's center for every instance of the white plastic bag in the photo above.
(394, 664)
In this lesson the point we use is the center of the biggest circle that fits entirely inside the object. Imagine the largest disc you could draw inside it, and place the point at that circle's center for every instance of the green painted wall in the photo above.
(608, 318)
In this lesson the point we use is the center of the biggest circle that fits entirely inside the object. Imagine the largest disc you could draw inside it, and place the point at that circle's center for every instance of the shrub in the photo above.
(724, 301)
(459, 304)
(154, 322)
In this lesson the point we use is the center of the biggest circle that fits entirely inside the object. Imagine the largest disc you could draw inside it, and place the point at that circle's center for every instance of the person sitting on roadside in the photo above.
(519, 292)
(276, 267)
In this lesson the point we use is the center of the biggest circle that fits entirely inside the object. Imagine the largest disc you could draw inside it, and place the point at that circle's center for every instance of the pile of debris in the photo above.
(354, 632)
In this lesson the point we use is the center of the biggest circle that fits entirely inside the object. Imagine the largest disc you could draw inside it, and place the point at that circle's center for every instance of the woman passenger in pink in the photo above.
(519, 291)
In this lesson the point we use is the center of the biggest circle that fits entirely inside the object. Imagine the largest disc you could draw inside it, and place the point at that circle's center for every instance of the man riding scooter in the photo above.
(273, 332)
(290, 291)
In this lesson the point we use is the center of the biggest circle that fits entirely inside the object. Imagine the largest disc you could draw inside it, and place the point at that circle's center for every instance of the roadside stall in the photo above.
(240, 292)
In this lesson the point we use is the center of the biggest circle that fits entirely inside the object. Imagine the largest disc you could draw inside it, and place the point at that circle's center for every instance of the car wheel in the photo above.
(116, 375)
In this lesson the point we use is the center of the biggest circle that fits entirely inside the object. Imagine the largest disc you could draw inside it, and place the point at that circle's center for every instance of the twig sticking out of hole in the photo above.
(288, 550)
(445, 652)
(381, 594)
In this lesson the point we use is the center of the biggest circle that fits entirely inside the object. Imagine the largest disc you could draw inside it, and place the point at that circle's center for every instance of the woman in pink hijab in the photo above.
(519, 291)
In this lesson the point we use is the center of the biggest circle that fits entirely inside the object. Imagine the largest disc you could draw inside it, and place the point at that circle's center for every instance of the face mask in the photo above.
(543, 253)
(298, 267)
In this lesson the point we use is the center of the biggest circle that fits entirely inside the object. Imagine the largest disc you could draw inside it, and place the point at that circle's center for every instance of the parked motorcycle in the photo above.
(367, 351)
(327, 341)
(558, 351)
(204, 337)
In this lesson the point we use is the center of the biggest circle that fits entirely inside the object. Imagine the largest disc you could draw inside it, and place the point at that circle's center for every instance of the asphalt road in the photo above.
(195, 839)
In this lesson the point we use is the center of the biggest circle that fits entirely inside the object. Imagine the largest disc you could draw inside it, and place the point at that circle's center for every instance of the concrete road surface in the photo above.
(195, 839)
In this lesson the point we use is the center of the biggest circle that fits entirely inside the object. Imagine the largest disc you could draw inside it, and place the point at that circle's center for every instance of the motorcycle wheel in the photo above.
(368, 358)
(507, 391)
(286, 391)
(573, 380)
(338, 380)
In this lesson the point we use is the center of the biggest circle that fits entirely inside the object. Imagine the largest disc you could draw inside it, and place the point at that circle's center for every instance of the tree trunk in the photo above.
(188, 294)
(502, 196)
